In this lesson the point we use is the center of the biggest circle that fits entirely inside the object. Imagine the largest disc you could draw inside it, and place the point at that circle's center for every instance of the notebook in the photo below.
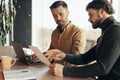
(21, 55)
(19, 74)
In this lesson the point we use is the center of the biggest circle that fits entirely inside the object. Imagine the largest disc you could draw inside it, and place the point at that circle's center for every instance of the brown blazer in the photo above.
(71, 40)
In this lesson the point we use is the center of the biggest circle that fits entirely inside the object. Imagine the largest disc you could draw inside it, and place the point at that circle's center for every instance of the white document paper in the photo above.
(40, 55)
(19, 74)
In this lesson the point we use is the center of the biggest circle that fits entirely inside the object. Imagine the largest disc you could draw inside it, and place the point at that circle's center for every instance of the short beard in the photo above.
(96, 24)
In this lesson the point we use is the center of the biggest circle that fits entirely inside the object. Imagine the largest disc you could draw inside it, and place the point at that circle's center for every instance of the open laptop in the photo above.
(21, 55)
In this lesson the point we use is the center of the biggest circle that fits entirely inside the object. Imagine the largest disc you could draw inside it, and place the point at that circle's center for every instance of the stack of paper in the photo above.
(19, 74)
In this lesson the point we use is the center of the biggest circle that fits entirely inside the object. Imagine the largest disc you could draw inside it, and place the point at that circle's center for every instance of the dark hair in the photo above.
(98, 4)
(57, 4)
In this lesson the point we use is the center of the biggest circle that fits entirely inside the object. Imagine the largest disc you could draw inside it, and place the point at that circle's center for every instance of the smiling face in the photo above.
(95, 17)
(60, 15)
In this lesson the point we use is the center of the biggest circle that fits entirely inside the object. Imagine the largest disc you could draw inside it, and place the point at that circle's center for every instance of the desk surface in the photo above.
(41, 72)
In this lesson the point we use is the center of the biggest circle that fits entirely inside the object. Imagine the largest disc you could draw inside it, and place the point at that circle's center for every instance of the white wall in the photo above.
(42, 18)
(116, 5)
(42, 14)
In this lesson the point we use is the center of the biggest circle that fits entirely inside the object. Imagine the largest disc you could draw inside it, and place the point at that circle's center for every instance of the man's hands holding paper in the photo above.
(55, 54)
(35, 59)
(40, 55)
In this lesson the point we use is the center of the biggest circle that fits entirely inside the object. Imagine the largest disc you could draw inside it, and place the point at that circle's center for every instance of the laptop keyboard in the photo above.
(30, 62)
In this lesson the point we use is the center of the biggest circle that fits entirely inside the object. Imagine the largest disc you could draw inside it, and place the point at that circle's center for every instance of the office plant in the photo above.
(7, 14)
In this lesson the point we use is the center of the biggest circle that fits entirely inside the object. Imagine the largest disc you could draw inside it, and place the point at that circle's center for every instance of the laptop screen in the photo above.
(19, 52)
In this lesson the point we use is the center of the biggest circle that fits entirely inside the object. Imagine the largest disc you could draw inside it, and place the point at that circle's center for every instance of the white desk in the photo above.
(41, 72)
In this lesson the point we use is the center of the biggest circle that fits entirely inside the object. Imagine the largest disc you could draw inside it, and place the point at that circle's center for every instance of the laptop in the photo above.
(21, 55)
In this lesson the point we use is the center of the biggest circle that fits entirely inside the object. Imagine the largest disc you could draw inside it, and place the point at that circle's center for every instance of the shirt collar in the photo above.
(68, 25)
(105, 24)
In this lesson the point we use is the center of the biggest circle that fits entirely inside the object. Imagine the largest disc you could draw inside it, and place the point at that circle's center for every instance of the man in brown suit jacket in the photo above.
(67, 37)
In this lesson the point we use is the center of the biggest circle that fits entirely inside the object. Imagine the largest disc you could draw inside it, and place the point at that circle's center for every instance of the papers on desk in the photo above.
(40, 55)
(19, 74)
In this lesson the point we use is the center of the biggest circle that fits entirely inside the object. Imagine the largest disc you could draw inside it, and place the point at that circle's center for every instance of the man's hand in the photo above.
(56, 69)
(55, 54)
(34, 58)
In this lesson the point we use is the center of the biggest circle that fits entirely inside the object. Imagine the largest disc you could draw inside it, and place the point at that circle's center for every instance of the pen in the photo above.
(24, 71)
(52, 61)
